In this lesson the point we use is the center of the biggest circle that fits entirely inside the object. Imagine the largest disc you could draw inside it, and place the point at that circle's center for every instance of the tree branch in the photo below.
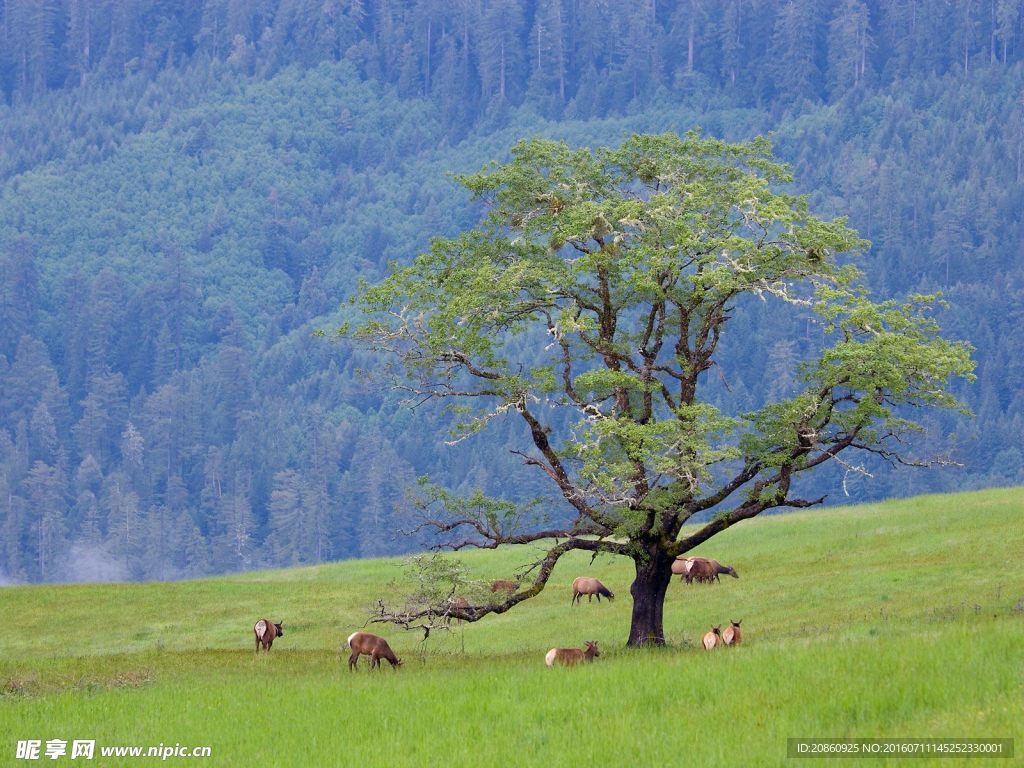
(450, 609)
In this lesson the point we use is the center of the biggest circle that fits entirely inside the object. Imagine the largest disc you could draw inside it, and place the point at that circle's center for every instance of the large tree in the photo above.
(591, 302)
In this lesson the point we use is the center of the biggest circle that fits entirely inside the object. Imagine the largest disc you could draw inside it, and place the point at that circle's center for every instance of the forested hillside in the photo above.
(189, 190)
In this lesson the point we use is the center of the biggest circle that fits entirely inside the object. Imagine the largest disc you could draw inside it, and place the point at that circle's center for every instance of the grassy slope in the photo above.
(880, 620)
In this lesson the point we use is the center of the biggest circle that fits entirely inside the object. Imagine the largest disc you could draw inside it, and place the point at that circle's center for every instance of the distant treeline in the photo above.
(189, 190)
(569, 58)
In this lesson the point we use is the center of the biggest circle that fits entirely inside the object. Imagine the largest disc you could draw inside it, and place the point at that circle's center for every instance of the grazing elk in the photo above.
(572, 656)
(266, 632)
(374, 646)
(733, 635)
(704, 570)
(586, 585)
(504, 585)
(713, 639)
(681, 566)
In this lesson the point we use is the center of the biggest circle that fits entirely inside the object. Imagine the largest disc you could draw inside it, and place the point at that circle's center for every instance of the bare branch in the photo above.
(449, 609)
(568, 490)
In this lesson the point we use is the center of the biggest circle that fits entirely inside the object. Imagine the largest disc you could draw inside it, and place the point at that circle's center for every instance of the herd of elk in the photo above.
(377, 648)
(701, 569)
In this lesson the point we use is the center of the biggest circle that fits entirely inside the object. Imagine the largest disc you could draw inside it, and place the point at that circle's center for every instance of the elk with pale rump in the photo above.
(681, 566)
(570, 657)
(704, 570)
(586, 585)
(266, 632)
(732, 635)
(374, 646)
(713, 639)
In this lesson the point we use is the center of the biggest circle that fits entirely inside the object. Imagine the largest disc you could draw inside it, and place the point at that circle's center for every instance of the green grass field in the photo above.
(903, 619)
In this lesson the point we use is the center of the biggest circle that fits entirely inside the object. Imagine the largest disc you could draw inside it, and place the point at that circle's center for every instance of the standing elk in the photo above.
(713, 639)
(704, 570)
(570, 657)
(586, 585)
(374, 646)
(458, 604)
(733, 635)
(681, 566)
(266, 632)
(700, 571)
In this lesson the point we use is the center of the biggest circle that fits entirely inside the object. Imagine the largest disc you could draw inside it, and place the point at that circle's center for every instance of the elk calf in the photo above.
(570, 657)
(713, 639)
(266, 632)
(374, 646)
(732, 635)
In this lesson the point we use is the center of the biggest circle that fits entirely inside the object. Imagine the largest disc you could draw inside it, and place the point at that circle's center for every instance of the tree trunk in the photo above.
(653, 575)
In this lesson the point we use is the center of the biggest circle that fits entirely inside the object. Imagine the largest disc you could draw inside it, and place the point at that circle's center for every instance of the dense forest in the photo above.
(190, 190)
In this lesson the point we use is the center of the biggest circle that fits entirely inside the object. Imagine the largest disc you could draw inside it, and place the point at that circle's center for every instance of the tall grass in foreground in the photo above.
(893, 620)
(628, 708)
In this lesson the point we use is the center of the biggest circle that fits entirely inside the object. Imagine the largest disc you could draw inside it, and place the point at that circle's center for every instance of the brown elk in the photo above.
(586, 585)
(572, 656)
(700, 571)
(504, 585)
(459, 604)
(733, 635)
(374, 646)
(719, 569)
(713, 639)
(704, 570)
(266, 632)
(681, 566)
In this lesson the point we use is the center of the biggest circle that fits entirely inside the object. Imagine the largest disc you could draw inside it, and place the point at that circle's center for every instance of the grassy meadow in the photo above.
(903, 619)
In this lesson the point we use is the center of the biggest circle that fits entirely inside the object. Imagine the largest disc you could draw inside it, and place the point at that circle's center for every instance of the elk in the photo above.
(719, 568)
(266, 632)
(374, 646)
(700, 571)
(732, 635)
(586, 585)
(570, 657)
(459, 604)
(713, 639)
(682, 565)
(705, 570)
(504, 585)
